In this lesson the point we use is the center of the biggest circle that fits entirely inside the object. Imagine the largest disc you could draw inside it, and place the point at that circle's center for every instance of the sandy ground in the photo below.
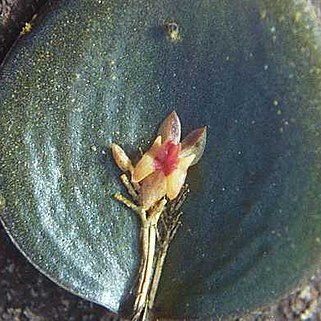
(26, 295)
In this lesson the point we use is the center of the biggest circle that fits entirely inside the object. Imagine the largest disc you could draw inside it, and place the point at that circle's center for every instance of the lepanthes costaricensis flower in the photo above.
(162, 169)
(156, 185)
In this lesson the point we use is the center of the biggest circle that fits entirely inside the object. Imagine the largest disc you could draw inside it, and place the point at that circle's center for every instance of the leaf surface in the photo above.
(94, 73)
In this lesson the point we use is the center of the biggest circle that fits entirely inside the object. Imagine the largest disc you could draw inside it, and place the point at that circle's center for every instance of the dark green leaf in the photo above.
(97, 72)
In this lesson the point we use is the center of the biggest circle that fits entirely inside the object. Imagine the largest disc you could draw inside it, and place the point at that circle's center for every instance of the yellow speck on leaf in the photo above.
(2, 201)
(297, 16)
(26, 29)
(314, 13)
(263, 14)
(173, 31)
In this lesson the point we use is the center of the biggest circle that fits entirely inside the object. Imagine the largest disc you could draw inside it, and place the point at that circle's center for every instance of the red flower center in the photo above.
(166, 158)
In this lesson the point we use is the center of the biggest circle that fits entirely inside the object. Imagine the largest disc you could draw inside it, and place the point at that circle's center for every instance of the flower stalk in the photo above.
(157, 189)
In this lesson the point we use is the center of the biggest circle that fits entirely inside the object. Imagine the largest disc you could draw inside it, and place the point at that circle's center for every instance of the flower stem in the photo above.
(171, 221)
(160, 262)
(157, 274)
(148, 238)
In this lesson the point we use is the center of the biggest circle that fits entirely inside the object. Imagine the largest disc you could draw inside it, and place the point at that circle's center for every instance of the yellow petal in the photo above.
(156, 145)
(145, 166)
(176, 179)
(153, 188)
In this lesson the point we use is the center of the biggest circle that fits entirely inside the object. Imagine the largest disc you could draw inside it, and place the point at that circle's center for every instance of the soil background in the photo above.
(27, 295)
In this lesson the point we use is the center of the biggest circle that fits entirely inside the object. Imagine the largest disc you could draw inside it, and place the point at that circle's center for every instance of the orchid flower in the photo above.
(162, 169)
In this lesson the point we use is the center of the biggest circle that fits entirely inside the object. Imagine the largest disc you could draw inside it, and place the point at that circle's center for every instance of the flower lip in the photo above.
(166, 158)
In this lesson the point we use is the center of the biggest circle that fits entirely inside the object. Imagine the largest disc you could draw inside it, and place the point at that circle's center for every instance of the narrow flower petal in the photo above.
(194, 143)
(153, 188)
(170, 129)
(145, 166)
(156, 145)
(176, 179)
(121, 159)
